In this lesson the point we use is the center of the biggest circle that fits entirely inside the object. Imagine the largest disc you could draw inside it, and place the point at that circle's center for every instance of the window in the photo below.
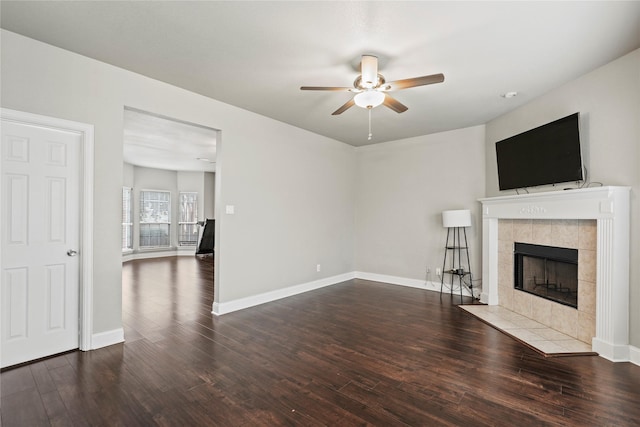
(188, 221)
(127, 220)
(155, 219)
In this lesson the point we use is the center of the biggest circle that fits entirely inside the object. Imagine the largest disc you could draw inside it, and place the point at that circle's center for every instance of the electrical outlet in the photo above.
(318, 267)
(438, 272)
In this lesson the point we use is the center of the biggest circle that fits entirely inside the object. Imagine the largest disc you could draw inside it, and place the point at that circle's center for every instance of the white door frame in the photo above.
(85, 322)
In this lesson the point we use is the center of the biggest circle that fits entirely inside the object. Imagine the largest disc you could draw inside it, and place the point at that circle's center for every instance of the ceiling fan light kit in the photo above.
(370, 87)
(369, 98)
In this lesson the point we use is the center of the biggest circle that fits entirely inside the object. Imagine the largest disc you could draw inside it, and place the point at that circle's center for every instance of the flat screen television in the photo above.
(548, 154)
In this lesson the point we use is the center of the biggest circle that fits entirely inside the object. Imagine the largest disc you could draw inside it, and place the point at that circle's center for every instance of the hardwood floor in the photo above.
(357, 353)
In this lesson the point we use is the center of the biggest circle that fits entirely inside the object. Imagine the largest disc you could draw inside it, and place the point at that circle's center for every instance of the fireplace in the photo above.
(549, 272)
(609, 208)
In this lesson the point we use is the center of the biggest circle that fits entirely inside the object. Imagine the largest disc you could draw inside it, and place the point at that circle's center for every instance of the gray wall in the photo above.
(127, 175)
(294, 208)
(293, 190)
(210, 196)
(402, 189)
(609, 102)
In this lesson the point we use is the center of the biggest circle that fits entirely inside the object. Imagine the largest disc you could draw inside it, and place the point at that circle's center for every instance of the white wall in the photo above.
(402, 189)
(293, 190)
(609, 102)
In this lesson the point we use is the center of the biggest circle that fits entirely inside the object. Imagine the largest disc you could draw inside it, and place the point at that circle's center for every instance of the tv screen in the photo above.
(548, 154)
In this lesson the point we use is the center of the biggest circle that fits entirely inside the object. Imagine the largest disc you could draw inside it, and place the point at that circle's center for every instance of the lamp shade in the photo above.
(456, 218)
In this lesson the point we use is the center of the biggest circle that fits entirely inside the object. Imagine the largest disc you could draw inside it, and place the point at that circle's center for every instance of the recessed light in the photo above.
(509, 94)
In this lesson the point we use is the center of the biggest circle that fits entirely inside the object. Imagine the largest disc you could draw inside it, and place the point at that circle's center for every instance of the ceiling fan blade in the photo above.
(416, 81)
(394, 104)
(350, 103)
(369, 70)
(337, 89)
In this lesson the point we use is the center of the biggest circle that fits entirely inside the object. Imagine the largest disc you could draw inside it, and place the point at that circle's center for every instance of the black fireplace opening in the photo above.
(547, 271)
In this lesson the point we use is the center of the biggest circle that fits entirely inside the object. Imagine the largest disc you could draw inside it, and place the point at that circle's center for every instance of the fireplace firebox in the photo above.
(547, 271)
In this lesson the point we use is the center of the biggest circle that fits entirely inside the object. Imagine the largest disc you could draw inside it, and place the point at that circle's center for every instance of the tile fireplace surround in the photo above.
(609, 207)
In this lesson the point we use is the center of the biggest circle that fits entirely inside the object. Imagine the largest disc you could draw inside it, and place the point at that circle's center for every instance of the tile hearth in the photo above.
(548, 341)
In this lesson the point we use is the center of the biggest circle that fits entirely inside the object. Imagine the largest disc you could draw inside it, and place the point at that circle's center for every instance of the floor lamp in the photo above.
(456, 221)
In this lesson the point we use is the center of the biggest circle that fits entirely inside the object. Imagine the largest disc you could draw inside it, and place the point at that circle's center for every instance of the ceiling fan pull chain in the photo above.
(370, 134)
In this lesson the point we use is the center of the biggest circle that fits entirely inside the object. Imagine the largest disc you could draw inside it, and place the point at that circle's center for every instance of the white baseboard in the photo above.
(251, 301)
(104, 339)
(618, 353)
(394, 280)
(609, 351)
(191, 252)
(634, 355)
(412, 283)
(158, 254)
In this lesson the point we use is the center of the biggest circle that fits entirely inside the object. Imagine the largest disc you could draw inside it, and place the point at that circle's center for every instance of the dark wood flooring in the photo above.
(357, 353)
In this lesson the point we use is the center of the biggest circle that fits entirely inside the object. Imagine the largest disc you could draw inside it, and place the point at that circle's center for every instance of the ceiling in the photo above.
(256, 55)
(161, 143)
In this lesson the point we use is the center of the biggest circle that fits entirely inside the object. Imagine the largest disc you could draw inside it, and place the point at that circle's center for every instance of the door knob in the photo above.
(71, 252)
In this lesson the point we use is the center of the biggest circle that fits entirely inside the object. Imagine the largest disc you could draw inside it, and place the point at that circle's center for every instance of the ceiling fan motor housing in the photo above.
(359, 85)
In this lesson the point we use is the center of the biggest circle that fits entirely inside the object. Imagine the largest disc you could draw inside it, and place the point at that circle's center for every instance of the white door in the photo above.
(40, 215)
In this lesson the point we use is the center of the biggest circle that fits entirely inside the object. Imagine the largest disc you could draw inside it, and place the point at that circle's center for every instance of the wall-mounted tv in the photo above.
(548, 154)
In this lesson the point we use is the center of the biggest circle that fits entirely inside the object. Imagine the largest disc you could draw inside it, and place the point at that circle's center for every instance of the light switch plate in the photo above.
(230, 209)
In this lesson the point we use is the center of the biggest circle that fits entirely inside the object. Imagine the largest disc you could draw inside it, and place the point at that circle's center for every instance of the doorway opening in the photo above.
(169, 189)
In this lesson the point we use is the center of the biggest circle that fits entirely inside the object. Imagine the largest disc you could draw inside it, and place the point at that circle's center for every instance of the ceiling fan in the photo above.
(371, 88)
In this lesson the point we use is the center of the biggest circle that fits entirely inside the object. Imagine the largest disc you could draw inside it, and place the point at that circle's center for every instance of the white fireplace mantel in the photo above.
(610, 207)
